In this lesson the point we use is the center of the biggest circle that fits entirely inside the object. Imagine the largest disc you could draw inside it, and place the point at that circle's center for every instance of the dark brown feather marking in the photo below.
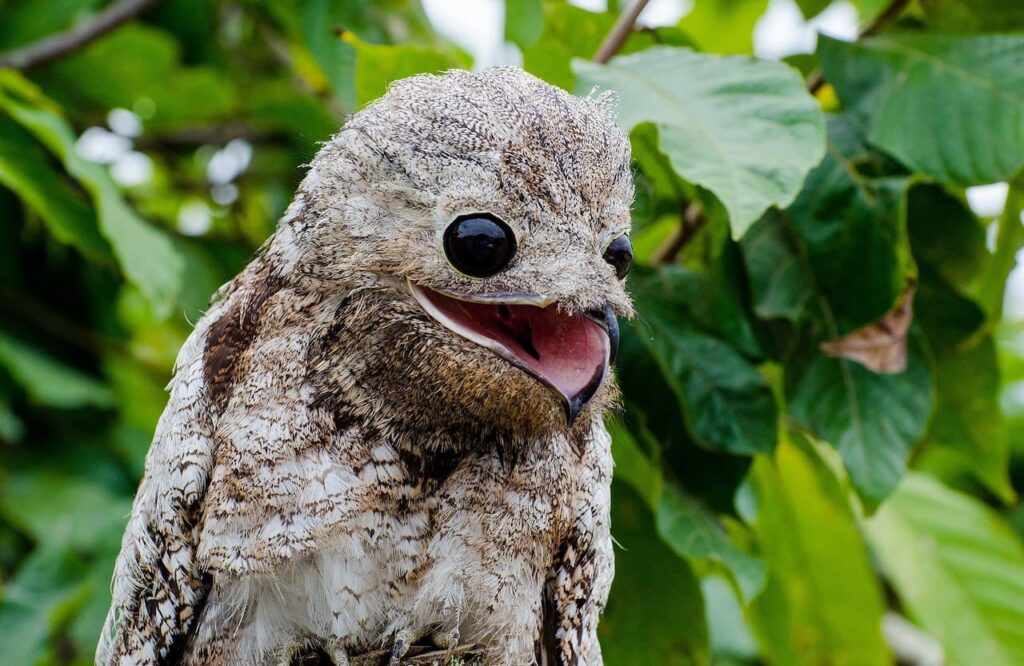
(230, 336)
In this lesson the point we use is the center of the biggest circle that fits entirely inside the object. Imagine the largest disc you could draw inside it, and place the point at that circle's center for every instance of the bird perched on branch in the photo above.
(387, 429)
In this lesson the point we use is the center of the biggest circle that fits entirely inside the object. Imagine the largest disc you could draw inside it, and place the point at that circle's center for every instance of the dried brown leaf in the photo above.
(880, 346)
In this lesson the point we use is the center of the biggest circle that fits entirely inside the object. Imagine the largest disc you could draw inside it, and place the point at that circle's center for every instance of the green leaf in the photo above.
(49, 382)
(695, 533)
(524, 21)
(12, 430)
(957, 567)
(851, 231)
(146, 255)
(945, 234)
(569, 32)
(779, 285)
(633, 466)
(823, 604)
(968, 423)
(811, 8)
(65, 511)
(377, 65)
(873, 420)
(100, 77)
(727, 402)
(744, 129)
(27, 21)
(652, 588)
(25, 170)
(969, 16)
(1009, 241)
(45, 588)
(707, 20)
(731, 638)
(950, 107)
(336, 58)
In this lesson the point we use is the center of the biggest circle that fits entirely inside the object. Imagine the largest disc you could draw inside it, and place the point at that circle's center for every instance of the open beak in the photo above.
(570, 353)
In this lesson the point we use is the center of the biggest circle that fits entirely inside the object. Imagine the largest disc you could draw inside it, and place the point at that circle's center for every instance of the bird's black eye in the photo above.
(479, 244)
(620, 255)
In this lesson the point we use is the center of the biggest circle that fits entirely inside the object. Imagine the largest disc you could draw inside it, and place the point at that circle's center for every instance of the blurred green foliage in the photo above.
(775, 504)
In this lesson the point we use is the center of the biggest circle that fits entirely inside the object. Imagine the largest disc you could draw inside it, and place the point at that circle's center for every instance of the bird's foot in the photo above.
(447, 641)
(403, 639)
(339, 656)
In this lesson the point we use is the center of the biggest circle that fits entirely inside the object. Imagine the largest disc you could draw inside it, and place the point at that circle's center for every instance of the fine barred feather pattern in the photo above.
(335, 469)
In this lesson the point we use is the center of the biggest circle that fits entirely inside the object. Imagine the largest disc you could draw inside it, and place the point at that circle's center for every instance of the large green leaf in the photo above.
(377, 65)
(744, 129)
(655, 612)
(958, 568)
(633, 466)
(688, 527)
(945, 234)
(49, 382)
(951, 107)
(146, 255)
(850, 231)
(872, 419)
(45, 590)
(25, 170)
(823, 604)
(726, 401)
(968, 424)
(695, 533)
(524, 20)
(63, 510)
(967, 433)
(778, 281)
(732, 641)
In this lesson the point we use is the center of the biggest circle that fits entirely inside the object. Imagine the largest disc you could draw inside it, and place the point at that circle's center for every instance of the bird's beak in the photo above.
(568, 352)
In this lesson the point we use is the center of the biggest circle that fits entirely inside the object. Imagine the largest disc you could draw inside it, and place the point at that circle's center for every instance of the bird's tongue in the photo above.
(568, 351)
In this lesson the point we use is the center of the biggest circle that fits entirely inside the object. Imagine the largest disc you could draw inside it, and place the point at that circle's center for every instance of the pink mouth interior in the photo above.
(568, 351)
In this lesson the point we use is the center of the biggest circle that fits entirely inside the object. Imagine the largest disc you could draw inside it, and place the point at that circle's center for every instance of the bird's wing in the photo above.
(581, 577)
(157, 588)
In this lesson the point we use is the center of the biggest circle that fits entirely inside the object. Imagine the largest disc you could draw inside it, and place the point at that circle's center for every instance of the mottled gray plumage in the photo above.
(336, 468)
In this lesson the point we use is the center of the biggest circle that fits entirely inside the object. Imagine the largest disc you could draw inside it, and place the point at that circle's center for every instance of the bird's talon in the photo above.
(452, 640)
(403, 640)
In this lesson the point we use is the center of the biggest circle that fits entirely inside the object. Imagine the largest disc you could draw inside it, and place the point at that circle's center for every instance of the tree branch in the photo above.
(619, 33)
(56, 46)
(691, 220)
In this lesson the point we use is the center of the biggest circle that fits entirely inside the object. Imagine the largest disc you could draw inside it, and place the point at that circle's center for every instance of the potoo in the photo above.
(387, 429)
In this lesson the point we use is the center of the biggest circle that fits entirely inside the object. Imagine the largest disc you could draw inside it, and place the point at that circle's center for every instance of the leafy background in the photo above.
(822, 444)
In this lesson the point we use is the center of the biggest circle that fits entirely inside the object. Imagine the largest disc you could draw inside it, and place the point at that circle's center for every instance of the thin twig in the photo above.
(691, 220)
(887, 15)
(56, 46)
(619, 33)
(215, 134)
(892, 11)
(692, 217)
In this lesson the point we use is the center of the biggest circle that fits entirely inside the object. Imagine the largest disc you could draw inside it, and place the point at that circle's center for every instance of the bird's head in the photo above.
(492, 209)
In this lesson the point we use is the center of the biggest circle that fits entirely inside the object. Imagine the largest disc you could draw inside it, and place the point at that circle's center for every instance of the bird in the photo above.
(388, 429)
